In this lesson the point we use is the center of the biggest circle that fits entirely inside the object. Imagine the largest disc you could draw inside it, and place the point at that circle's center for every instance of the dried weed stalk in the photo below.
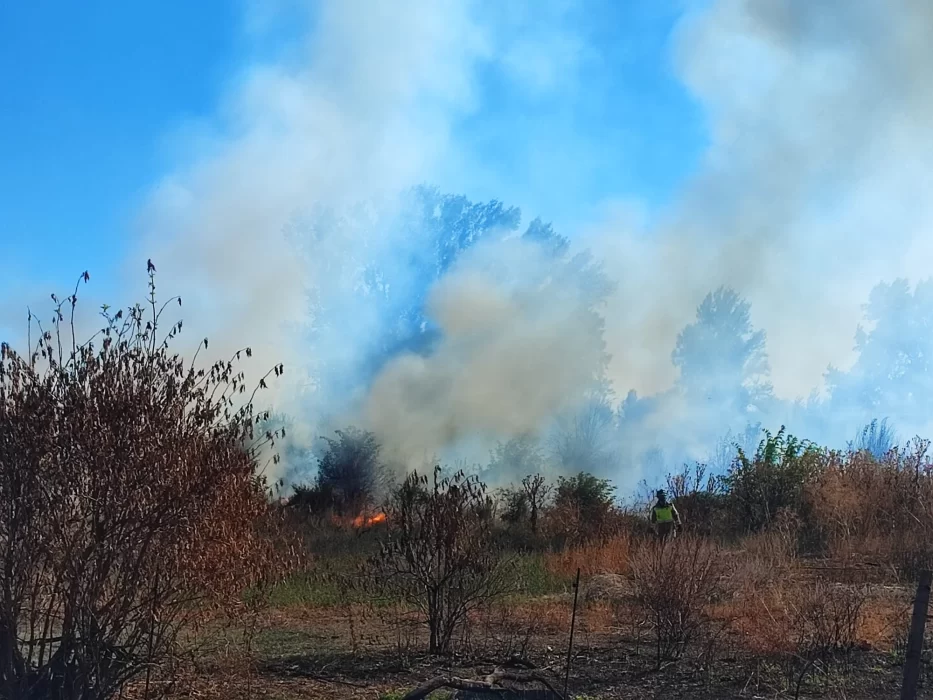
(129, 500)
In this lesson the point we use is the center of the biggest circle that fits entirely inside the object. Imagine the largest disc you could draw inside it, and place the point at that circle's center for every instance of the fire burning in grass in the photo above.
(361, 521)
(364, 520)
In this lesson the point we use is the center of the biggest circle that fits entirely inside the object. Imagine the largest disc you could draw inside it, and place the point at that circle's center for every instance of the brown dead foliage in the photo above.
(609, 556)
(131, 500)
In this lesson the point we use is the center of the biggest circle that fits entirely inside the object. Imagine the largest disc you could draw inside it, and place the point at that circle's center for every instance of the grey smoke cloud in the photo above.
(358, 112)
(814, 186)
(517, 348)
(811, 189)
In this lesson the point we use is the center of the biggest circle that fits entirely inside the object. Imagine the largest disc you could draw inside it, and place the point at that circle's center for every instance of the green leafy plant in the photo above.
(774, 479)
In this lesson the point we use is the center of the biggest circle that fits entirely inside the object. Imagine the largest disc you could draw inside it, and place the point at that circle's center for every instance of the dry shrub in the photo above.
(877, 508)
(497, 631)
(607, 556)
(405, 627)
(549, 615)
(131, 501)
(885, 621)
(763, 621)
(759, 487)
(810, 619)
(768, 553)
(768, 550)
(581, 511)
(438, 553)
(699, 499)
(676, 583)
(599, 618)
(827, 618)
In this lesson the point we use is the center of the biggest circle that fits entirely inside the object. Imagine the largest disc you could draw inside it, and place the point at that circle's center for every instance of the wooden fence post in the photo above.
(573, 624)
(915, 640)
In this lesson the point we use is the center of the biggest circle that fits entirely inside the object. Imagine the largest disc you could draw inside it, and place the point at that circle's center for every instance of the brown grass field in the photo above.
(784, 626)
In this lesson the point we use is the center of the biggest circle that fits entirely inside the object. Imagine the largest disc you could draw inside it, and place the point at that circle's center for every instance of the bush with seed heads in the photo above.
(130, 497)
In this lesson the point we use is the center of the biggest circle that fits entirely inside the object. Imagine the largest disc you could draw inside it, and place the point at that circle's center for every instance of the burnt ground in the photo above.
(597, 672)
(315, 654)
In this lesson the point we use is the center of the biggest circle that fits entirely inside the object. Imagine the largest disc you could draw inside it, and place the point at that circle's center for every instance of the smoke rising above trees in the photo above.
(493, 334)
(445, 323)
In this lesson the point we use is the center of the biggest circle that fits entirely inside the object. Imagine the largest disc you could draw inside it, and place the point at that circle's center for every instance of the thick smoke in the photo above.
(812, 187)
(517, 348)
(289, 231)
(810, 193)
(357, 111)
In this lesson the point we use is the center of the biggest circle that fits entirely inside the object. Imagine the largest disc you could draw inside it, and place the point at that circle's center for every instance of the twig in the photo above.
(800, 677)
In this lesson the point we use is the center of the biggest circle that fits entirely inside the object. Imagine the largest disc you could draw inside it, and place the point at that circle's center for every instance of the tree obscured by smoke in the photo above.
(514, 459)
(721, 357)
(584, 440)
(892, 376)
(471, 332)
(518, 340)
(817, 140)
(371, 306)
(350, 475)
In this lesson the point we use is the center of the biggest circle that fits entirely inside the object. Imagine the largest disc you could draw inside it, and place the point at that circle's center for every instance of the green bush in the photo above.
(774, 479)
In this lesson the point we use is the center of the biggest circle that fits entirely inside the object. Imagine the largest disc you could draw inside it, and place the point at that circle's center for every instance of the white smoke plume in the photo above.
(811, 191)
(359, 111)
(813, 187)
(517, 348)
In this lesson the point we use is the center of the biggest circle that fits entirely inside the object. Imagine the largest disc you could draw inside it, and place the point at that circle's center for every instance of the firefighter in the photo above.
(665, 517)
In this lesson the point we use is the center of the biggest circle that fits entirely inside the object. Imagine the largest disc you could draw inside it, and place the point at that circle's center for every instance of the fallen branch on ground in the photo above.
(492, 682)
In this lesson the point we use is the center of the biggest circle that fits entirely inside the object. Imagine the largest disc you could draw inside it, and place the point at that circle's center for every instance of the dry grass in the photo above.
(813, 616)
(675, 583)
(611, 556)
(765, 600)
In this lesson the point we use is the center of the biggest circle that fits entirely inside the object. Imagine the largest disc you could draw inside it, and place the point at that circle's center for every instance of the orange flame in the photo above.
(368, 520)
(363, 520)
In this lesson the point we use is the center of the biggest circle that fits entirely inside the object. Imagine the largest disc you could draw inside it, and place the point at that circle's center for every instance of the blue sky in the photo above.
(94, 94)
(89, 93)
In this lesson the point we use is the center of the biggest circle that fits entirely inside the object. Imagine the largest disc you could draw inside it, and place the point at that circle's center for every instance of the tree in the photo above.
(438, 552)
(893, 375)
(457, 224)
(536, 490)
(515, 502)
(351, 471)
(378, 297)
(130, 496)
(583, 441)
(442, 227)
(526, 501)
(721, 358)
(519, 455)
(544, 234)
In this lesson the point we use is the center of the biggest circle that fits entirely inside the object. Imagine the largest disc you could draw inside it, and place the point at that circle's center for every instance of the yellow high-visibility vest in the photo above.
(664, 514)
